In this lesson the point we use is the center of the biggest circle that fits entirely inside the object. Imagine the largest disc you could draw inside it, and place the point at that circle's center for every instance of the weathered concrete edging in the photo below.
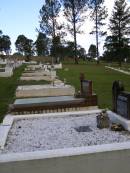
(66, 152)
(8, 121)
(118, 119)
(122, 71)
(4, 129)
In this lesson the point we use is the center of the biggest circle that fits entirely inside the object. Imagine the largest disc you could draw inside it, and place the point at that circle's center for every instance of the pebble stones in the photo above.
(48, 133)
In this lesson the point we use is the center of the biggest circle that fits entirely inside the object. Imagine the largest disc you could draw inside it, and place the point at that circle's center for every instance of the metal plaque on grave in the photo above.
(123, 105)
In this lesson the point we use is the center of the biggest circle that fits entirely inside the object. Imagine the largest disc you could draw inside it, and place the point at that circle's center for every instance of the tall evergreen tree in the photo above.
(73, 11)
(41, 44)
(98, 15)
(120, 30)
(92, 51)
(48, 15)
(5, 43)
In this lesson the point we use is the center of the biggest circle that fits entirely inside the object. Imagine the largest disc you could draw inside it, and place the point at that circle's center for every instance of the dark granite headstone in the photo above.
(123, 105)
(86, 88)
(117, 88)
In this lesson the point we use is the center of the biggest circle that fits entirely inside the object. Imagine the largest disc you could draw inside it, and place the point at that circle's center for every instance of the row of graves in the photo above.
(54, 97)
(7, 67)
(59, 122)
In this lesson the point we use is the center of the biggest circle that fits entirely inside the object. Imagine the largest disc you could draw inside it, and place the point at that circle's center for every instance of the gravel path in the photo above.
(53, 133)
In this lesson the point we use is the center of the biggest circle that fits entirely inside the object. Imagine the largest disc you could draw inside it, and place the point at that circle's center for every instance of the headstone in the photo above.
(123, 105)
(86, 86)
(117, 88)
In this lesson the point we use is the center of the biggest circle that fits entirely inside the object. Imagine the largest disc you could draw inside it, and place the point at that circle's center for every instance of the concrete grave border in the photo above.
(9, 119)
(100, 158)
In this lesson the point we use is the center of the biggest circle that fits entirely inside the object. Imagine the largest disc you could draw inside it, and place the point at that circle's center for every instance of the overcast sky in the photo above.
(21, 17)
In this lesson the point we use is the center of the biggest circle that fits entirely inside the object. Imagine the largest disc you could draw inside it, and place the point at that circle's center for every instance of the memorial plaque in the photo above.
(123, 105)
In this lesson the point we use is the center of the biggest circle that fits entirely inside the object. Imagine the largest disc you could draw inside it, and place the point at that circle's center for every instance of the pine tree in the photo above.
(98, 15)
(41, 44)
(73, 11)
(92, 51)
(48, 15)
(120, 30)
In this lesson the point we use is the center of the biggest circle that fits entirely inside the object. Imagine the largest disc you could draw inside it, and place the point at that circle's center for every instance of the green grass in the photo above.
(41, 82)
(7, 90)
(102, 80)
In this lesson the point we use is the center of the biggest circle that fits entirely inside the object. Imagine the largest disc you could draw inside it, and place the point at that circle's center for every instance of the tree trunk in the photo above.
(75, 37)
(97, 49)
(119, 51)
(53, 32)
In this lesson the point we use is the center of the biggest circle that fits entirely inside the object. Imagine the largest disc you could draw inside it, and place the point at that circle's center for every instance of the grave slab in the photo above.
(38, 78)
(44, 90)
(57, 132)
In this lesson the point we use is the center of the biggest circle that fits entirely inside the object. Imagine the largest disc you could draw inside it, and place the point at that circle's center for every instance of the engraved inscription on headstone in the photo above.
(117, 88)
(122, 106)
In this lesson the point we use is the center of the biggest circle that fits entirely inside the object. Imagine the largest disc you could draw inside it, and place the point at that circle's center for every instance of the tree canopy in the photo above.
(5, 44)
(48, 15)
(73, 11)
(24, 45)
(117, 43)
(41, 44)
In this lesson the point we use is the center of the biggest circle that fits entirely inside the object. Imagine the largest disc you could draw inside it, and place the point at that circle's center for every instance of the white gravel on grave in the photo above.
(48, 133)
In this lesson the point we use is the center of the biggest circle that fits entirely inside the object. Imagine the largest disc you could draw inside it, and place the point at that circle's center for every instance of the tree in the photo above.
(73, 11)
(56, 48)
(24, 46)
(20, 44)
(28, 48)
(48, 14)
(98, 15)
(120, 30)
(41, 44)
(92, 51)
(5, 43)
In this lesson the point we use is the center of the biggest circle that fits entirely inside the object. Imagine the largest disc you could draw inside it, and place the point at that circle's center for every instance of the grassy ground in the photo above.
(7, 90)
(41, 82)
(102, 80)
(8, 87)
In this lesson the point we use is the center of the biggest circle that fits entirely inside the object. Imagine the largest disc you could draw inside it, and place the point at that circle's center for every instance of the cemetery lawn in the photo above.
(41, 82)
(7, 90)
(102, 80)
